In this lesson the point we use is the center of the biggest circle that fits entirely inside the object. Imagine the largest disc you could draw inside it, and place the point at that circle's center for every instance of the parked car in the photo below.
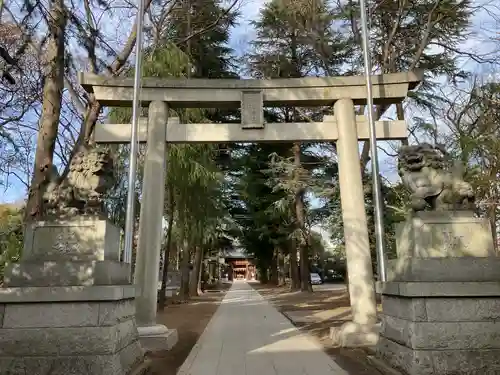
(316, 279)
(332, 275)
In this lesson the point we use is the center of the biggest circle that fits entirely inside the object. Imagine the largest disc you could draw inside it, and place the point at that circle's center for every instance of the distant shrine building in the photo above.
(238, 265)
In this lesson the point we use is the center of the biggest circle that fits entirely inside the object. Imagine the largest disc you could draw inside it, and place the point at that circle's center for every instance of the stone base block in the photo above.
(442, 335)
(444, 269)
(67, 294)
(352, 335)
(120, 363)
(47, 336)
(440, 289)
(67, 273)
(441, 328)
(439, 362)
(157, 337)
(443, 309)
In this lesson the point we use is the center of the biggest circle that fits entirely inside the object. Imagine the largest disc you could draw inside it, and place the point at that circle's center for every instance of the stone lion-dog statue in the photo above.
(435, 183)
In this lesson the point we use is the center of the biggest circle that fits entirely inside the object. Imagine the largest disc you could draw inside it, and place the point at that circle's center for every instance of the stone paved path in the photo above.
(248, 336)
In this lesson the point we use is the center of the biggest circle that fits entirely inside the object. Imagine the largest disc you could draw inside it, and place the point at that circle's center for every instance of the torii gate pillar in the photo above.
(152, 336)
(361, 331)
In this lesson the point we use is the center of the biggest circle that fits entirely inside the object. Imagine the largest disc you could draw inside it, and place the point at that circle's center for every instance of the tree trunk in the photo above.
(194, 279)
(94, 107)
(263, 276)
(178, 259)
(491, 214)
(51, 110)
(294, 266)
(281, 267)
(184, 290)
(365, 158)
(305, 284)
(166, 263)
(274, 268)
(201, 277)
(86, 130)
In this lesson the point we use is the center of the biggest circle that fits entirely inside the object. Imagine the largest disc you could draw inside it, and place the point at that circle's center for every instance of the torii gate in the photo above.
(251, 96)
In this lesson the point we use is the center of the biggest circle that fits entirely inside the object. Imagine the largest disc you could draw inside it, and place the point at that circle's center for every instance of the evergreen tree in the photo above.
(198, 187)
(287, 34)
(195, 187)
(411, 35)
(208, 52)
(296, 39)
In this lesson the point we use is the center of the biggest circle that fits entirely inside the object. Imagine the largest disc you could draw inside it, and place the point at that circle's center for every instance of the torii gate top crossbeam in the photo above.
(227, 93)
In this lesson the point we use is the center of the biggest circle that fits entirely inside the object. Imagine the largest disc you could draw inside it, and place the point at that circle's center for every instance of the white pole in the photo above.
(377, 191)
(130, 218)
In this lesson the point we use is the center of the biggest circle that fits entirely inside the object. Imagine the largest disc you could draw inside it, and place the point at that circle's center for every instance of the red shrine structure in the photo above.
(239, 266)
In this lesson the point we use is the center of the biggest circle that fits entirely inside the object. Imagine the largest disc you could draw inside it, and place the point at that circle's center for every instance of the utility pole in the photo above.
(377, 190)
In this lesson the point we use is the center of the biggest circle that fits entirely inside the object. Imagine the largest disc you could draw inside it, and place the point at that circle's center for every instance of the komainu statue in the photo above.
(435, 182)
(81, 192)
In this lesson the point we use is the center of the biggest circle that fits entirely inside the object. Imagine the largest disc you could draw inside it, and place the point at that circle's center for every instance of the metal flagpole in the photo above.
(130, 218)
(377, 191)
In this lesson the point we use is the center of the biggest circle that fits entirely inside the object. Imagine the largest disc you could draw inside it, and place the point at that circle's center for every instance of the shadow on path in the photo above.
(247, 335)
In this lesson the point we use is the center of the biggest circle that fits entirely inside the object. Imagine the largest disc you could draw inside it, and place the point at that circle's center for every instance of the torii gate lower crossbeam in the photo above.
(324, 131)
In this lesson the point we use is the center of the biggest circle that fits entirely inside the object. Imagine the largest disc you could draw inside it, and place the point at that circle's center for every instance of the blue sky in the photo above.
(244, 33)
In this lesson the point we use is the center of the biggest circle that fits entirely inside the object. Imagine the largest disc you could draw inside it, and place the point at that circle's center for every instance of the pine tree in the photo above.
(198, 194)
(209, 53)
(411, 35)
(285, 47)
(296, 39)
(195, 204)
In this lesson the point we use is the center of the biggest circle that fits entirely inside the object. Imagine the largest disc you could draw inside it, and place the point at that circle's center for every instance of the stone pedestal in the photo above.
(441, 303)
(68, 306)
(444, 234)
(81, 251)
